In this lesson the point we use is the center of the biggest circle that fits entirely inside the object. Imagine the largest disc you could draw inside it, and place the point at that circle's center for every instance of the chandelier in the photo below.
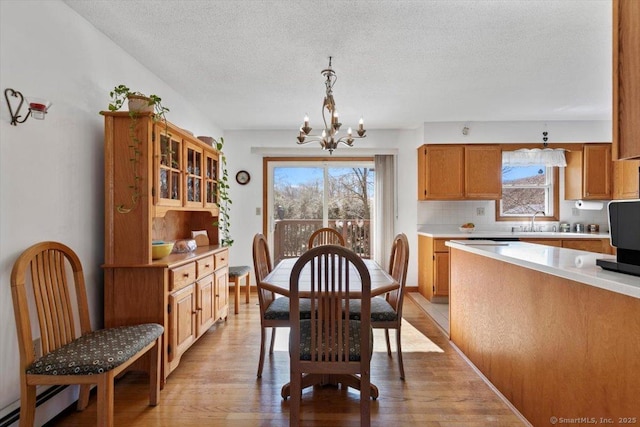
(329, 138)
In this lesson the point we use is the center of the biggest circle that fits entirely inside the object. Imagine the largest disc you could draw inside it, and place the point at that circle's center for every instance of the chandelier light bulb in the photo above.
(349, 132)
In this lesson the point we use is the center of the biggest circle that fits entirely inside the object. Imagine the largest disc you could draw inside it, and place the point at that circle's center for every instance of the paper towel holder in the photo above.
(589, 205)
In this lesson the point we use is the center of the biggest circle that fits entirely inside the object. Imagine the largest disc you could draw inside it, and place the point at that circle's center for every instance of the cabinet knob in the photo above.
(185, 274)
(207, 265)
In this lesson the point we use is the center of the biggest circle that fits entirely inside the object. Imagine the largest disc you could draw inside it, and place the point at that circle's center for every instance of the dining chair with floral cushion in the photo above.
(386, 311)
(328, 342)
(274, 309)
(49, 274)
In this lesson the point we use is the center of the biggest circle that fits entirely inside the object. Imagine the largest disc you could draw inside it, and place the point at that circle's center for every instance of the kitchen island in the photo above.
(555, 334)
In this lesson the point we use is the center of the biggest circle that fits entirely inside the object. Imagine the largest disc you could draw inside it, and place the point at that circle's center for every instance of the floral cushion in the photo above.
(354, 340)
(279, 309)
(97, 352)
(381, 310)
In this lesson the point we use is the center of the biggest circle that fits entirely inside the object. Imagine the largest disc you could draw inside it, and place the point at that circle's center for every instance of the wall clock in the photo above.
(243, 177)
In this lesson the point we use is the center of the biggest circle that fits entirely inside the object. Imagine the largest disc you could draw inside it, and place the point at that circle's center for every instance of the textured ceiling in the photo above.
(256, 64)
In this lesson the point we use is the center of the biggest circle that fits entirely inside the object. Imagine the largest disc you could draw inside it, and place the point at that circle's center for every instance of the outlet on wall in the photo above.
(479, 211)
(575, 211)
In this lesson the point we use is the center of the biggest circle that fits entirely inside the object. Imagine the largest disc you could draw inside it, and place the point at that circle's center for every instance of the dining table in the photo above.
(278, 281)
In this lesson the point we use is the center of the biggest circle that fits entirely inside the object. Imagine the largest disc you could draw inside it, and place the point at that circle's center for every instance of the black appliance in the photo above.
(624, 226)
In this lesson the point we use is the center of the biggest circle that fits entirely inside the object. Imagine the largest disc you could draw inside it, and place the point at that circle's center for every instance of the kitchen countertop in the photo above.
(579, 266)
(440, 231)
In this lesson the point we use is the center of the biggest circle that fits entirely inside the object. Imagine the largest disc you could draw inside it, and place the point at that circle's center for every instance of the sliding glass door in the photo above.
(303, 196)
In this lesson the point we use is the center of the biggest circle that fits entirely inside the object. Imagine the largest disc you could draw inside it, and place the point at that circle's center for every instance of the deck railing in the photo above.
(291, 236)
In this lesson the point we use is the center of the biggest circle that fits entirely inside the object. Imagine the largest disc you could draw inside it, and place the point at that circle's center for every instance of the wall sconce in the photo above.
(37, 107)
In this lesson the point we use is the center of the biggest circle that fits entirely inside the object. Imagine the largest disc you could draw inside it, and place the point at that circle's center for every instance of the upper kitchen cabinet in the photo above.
(626, 79)
(459, 172)
(588, 173)
(626, 179)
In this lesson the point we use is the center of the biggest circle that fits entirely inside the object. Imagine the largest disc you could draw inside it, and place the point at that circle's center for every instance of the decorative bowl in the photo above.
(466, 229)
(161, 249)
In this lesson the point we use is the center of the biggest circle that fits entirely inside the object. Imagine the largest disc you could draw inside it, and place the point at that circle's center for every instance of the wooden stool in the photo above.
(237, 274)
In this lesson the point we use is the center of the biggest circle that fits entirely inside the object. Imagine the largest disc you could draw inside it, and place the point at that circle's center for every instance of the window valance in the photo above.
(535, 156)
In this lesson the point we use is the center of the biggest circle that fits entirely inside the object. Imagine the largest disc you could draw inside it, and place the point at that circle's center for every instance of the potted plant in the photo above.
(137, 103)
(224, 201)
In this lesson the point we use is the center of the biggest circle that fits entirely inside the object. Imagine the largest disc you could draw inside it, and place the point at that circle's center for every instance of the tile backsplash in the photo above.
(483, 213)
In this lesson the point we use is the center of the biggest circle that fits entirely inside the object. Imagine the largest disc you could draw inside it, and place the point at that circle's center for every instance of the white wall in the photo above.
(51, 171)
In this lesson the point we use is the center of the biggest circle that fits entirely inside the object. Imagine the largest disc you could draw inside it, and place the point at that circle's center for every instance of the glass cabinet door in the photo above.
(168, 189)
(194, 176)
(211, 180)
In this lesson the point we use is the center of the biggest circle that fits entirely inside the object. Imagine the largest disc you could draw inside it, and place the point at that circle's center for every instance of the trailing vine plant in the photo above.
(118, 95)
(224, 200)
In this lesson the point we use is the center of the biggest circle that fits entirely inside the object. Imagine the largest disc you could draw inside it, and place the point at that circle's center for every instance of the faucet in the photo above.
(533, 219)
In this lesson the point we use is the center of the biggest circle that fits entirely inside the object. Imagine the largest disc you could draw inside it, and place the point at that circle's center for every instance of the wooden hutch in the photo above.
(161, 184)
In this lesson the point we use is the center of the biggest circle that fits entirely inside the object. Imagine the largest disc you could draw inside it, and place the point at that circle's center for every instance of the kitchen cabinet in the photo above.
(626, 179)
(626, 79)
(433, 268)
(161, 184)
(547, 242)
(588, 174)
(592, 245)
(434, 257)
(459, 172)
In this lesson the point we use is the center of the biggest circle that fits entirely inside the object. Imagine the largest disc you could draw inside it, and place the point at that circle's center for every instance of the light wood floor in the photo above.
(216, 385)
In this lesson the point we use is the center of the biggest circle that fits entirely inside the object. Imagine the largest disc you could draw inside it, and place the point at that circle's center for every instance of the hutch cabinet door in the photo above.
(194, 187)
(182, 328)
(205, 299)
(221, 293)
(168, 186)
(211, 180)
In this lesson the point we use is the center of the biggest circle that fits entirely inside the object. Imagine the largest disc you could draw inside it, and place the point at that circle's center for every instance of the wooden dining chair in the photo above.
(325, 236)
(69, 357)
(386, 311)
(329, 342)
(274, 311)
